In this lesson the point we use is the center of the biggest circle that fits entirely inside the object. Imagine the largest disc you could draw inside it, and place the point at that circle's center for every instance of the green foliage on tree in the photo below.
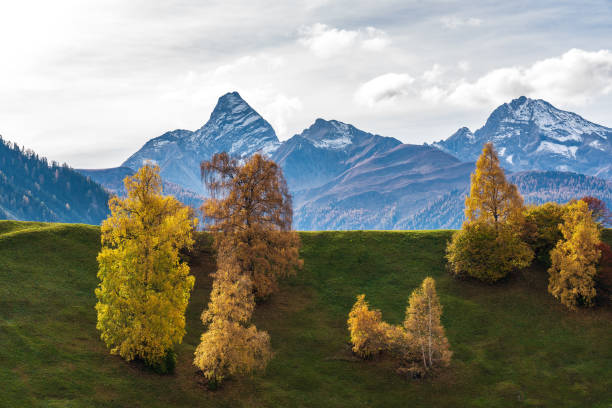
(541, 229)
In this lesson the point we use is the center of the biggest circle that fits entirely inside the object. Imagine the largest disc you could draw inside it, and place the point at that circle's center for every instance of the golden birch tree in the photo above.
(144, 287)
(423, 323)
(250, 210)
(574, 258)
(490, 245)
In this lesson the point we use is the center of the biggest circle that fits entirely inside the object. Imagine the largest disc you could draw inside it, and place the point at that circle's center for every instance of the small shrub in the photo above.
(541, 229)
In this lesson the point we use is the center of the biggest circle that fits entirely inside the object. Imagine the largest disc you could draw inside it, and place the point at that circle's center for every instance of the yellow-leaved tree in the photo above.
(492, 198)
(574, 258)
(368, 334)
(423, 324)
(490, 245)
(144, 287)
(250, 210)
(231, 345)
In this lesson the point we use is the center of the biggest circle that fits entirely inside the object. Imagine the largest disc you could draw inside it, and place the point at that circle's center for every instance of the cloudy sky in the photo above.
(88, 82)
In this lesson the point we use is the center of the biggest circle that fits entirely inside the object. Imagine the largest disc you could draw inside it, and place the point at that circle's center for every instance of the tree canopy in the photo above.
(144, 287)
(250, 210)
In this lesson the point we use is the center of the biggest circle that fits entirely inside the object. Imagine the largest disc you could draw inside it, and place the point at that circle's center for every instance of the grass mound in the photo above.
(514, 344)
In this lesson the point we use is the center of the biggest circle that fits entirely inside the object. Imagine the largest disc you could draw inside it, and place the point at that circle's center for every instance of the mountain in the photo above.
(112, 180)
(382, 191)
(233, 127)
(342, 177)
(325, 150)
(531, 134)
(31, 189)
(536, 187)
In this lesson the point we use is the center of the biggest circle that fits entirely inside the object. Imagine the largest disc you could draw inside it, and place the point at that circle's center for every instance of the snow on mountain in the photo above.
(324, 150)
(531, 134)
(344, 178)
(233, 127)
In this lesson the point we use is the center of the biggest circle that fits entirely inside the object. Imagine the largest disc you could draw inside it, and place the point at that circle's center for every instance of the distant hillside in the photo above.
(537, 187)
(382, 191)
(33, 189)
(112, 180)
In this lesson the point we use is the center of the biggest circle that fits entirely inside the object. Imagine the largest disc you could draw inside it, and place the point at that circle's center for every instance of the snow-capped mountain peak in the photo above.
(233, 127)
(533, 134)
(329, 134)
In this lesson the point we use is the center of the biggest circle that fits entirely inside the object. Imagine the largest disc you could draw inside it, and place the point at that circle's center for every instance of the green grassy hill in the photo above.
(514, 344)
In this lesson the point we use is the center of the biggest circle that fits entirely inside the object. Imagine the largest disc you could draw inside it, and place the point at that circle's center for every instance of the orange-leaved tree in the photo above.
(601, 214)
(250, 210)
(490, 245)
(574, 258)
(144, 287)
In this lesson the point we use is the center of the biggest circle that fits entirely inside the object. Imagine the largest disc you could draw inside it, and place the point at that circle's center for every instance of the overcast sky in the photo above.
(89, 82)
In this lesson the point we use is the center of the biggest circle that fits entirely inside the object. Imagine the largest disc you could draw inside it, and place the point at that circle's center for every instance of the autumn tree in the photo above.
(574, 258)
(489, 245)
(366, 329)
(144, 287)
(423, 323)
(250, 210)
(492, 200)
(231, 345)
(601, 214)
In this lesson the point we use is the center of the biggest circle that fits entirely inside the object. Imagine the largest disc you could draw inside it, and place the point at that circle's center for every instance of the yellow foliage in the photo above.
(368, 334)
(231, 297)
(230, 345)
(492, 198)
(228, 348)
(574, 258)
(250, 211)
(419, 345)
(423, 323)
(489, 245)
(144, 287)
(481, 251)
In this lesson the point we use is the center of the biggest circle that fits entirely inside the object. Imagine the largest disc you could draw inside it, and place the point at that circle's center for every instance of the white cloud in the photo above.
(434, 74)
(464, 65)
(278, 109)
(376, 40)
(384, 88)
(572, 78)
(325, 41)
(454, 22)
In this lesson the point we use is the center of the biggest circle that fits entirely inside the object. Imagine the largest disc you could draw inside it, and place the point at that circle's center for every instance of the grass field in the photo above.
(514, 345)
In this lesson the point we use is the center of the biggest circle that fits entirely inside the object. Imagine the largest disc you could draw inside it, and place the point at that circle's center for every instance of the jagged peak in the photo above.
(231, 103)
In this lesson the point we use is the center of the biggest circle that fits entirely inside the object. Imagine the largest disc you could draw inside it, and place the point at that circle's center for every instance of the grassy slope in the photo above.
(514, 345)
